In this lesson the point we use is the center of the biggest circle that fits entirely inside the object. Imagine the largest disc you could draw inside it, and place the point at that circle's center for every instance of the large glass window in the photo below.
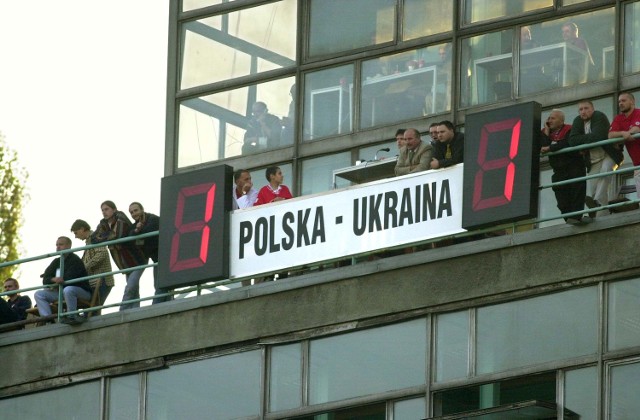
(581, 392)
(537, 330)
(623, 316)
(124, 397)
(452, 346)
(317, 173)
(222, 387)
(240, 121)
(338, 25)
(419, 18)
(481, 10)
(285, 377)
(70, 402)
(632, 38)
(410, 409)
(405, 86)
(487, 68)
(567, 51)
(367, 362)
(624, 401)
(328, 102)
(237, 44)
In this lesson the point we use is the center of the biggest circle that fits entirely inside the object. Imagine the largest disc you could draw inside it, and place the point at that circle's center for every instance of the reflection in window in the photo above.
(406, 86)
(481, 10)
(248, 41)
(367, 362)
(581, 392)
(624, 318)
(327, 102)
(535, 387)
(70, 402)
(566, 52)
(415, 13)
(221, 387)
(632, 38)
(625, 403)
(517, 334)
(487, 68)
(410, 409)
(338, 25)
(452, 346)
(285, 378)
(215, 126)
(317, 174)
(124, 393)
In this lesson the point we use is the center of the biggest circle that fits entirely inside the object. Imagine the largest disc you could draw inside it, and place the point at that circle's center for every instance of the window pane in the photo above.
(367, 362)
(632, 38)
(581, 392)
(328, 102)
(487, 68)
(452, 346)
(369, 152)
(480, 10)
(624, 318)
(625, 403)
(70, 402)
(238, 44)
(406, 86)
(570, 2)
(124, 397)
(223, 124)
(567, 52)
(537, 330)
(317, 174)
(417, 12)
(221, 387)
(285, 389)
(410, 409)
(198, 4)
(547, 204)
(338, 25)
(366, 412)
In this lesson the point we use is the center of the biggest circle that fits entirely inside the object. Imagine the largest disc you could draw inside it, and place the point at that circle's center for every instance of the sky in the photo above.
(82, 102)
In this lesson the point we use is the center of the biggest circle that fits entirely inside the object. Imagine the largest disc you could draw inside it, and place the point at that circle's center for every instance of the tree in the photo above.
(13, 180)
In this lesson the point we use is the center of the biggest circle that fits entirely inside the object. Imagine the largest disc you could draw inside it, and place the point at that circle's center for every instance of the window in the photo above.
(581, 392)
(452, 346)
(317, 173)
(481, 10)
(624, 401)
(248, 41)
(338, 25)
(124, 397)
(285, 379)
(231, 123)
(623, 324)
(632, 38)
(417, 11)
(328, 102)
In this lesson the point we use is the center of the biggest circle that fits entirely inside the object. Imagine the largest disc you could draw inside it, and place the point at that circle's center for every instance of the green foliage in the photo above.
(12, 197)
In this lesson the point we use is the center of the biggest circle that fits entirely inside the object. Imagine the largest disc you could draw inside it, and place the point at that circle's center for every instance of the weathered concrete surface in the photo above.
(448, 278)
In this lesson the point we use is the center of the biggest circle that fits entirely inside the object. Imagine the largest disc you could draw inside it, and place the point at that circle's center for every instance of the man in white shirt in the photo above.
(244, 195)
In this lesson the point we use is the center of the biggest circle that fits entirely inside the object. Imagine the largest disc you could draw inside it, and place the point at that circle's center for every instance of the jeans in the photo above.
(132, 290)
(71, 295)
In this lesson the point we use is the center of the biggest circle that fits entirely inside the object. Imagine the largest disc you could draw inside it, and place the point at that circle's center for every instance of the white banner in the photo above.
(354, 220)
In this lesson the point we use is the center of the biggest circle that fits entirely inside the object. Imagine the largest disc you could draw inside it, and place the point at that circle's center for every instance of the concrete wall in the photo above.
(473, 273)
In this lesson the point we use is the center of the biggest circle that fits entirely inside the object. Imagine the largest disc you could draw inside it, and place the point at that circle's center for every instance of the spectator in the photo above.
(588, 127)
(263, 130)
(570, 33)
(577, 71)
(449, 148)
(415, 156)
(625, 125)
(96, 260)
(73, 268)
(400, 138)
(144, 222)
(244, 195)
(526, 40)
(115, 225)
(433, 133)
(14, 309)
(275, 190)
(570, 197)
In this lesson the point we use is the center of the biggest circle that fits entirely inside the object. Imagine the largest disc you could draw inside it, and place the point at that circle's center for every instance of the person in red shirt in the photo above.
(625, 125)
(275, 190)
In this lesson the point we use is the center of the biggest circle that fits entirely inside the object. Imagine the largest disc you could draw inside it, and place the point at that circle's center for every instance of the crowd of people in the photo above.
(414, 155)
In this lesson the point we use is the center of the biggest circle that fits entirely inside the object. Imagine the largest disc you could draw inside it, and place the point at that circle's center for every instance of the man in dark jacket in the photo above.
(73, 268)
(555, 136)
(448, 148)
(588, 127)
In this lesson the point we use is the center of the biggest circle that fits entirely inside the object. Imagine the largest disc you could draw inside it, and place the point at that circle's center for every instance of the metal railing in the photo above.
(186, 291)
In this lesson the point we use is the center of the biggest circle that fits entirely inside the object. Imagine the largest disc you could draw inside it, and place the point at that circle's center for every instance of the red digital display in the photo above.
(194, 231)
(501, 163)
